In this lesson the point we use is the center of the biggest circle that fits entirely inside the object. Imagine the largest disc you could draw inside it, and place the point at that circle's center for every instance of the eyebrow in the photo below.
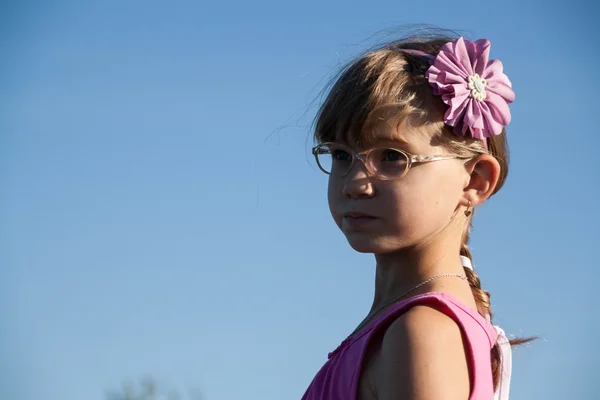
(390, 139)
(373, 139)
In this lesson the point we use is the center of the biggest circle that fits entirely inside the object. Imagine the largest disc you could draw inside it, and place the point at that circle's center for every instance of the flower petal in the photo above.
(461, 129)
(480, 53)
(478, 133)
(473, 115)
(452, 78)
(501, 89)
(491, 125)
(447, 62)
(462, 56)
(499, 109)
(461, 90)
(494, 72)
(456, 109)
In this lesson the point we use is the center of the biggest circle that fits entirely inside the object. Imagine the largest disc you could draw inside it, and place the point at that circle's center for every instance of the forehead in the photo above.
(389, 130)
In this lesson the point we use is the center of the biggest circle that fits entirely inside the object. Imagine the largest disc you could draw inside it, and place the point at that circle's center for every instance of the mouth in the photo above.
(357, 215)
(357, 220)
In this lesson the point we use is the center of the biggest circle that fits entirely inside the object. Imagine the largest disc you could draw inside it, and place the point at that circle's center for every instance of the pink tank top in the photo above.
(338, 378)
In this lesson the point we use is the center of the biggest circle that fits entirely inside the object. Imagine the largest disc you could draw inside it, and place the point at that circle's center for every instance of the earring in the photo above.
(468, 210)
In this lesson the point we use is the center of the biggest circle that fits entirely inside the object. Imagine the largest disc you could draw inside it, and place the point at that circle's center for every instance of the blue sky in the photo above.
(161, 215)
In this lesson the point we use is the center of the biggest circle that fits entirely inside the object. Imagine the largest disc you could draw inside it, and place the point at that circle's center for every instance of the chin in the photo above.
(380, 245)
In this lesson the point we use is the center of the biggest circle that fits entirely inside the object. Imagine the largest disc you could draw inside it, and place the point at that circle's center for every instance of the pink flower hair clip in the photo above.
(475, 88)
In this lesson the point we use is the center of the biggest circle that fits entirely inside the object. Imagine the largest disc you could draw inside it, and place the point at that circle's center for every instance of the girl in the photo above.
(412, 136)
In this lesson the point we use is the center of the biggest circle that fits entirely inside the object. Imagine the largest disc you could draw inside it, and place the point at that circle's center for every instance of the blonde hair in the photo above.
(389, 79)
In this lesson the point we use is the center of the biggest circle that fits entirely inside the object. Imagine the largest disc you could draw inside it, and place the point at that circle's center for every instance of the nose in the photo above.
(357, 182)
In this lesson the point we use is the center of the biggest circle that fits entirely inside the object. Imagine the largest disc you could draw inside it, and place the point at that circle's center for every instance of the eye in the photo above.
(392, 156)
(340, 155)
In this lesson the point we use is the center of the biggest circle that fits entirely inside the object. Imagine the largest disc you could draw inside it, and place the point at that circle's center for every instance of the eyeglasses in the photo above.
(383, 162)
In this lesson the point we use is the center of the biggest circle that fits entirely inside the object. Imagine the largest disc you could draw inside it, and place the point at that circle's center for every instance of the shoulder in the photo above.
(423, 357)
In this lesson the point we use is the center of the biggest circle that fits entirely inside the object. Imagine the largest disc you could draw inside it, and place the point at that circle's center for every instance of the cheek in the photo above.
(423, 203)
(334, 198)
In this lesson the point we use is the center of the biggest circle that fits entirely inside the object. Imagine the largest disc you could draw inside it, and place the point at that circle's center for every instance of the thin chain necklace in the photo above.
(395, 299)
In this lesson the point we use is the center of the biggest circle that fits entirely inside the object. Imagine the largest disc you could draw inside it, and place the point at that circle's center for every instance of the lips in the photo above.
(357, 215)
(356, 220)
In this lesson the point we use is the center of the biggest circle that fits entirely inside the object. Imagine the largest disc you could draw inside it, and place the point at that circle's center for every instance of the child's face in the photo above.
(403, 212)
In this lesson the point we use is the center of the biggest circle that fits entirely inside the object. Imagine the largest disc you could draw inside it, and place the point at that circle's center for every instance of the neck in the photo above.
(400, 271)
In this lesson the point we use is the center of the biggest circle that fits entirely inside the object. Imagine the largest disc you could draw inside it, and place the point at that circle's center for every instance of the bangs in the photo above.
(379, 89)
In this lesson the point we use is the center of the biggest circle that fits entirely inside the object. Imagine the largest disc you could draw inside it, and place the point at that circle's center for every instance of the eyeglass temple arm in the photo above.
(422, 159)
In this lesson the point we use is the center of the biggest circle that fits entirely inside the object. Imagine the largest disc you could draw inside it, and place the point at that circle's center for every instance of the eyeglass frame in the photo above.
(363, 156)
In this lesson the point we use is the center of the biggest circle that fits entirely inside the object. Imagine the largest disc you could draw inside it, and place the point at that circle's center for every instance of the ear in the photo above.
(484, 172)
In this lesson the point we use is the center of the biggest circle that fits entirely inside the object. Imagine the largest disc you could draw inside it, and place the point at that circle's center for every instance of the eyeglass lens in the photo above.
(337, 159)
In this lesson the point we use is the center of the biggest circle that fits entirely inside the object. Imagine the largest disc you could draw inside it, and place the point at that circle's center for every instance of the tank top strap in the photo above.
(473, 325)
